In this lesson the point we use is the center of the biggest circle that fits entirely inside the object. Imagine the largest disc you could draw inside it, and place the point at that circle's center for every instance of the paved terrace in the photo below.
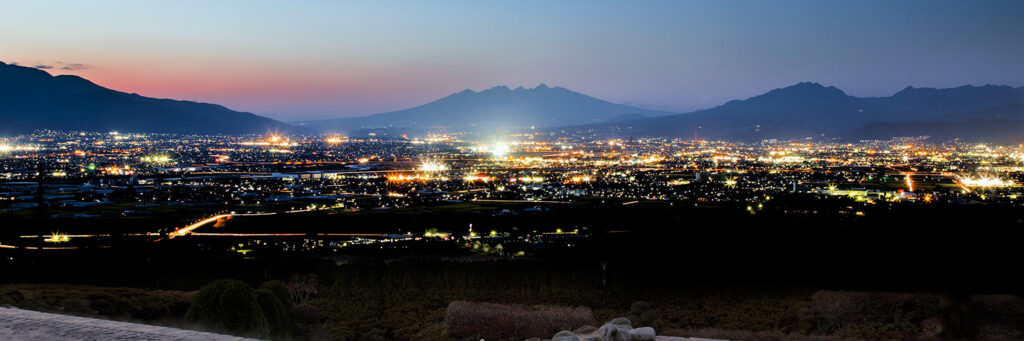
(18, 325)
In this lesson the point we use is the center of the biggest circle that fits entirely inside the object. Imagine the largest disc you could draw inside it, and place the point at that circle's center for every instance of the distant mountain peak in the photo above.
(803, 90)
(35, 99)
(808, 84)
(497, 107)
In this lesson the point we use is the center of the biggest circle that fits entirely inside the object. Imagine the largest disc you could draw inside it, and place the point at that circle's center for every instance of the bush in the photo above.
(273, 311)
(503, 321)
(228, 306)
(836, 311)
(151, 306)
(643, 315)
(281, 291)
(306, 320)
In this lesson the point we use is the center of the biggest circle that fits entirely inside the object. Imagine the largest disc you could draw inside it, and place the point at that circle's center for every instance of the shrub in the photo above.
(281, 291)
(891, 312)
(306, 320)
(153, 306)
(228, 306)
(273, 311)
(503, 321)
(643, 315)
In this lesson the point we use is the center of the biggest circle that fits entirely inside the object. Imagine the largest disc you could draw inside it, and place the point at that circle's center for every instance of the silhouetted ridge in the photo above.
(33, 99)
(813, 110)
(498, 107)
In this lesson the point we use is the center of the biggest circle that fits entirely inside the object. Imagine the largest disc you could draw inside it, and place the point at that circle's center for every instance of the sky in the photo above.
(321, 59)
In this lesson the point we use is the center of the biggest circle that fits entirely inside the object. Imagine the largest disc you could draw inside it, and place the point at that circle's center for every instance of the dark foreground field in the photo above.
(794, 270)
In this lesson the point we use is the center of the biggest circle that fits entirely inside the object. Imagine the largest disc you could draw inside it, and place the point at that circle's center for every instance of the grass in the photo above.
(162, 307)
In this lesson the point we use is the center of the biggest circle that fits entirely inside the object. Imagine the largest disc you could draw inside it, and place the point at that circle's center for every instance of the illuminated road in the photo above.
(188, 229)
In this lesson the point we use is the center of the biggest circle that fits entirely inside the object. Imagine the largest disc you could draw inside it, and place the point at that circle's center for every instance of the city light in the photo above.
(472, 178)
(433, 166)
(499, 149)
(57, 238)
(985, 182)
(159, 159)
(403, 177)
(580, 178)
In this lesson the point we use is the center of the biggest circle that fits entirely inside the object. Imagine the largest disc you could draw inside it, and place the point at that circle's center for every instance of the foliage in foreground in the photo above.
(408, 300)
(229, 306)
(162, 307)
(492, 321)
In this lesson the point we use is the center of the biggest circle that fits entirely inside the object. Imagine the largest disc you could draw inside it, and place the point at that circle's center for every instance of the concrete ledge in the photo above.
(18, 325)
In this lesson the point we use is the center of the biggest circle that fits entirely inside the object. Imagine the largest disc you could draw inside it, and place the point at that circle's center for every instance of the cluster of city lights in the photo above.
(498, 150)
(8, 148)
(57, 238)
(413, 177)
(433, 166)
(156, 159)
(985, 181)
(530, 179)
(580, 178)
(477, 177)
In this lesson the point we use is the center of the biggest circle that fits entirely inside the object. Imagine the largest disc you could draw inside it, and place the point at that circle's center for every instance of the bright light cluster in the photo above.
(985, 181)
(433, 166)
(413, 177)
(57, 238)
(471, 178)
(116, 170)
(8, 148)
(580, 178)
(499, 149)
(156, 159)
(531, 179)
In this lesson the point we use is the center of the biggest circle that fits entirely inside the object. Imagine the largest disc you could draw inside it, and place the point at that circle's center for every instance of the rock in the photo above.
(533, 339)
(588, 338)
(621, 321)
(585, 330)
(565, 335)
(614, 332)
(642, 334)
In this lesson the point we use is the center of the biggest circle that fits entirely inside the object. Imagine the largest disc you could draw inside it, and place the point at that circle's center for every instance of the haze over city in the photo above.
(328, 59)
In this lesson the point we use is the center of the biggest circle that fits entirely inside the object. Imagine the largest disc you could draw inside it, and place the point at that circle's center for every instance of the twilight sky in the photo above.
(318, 59)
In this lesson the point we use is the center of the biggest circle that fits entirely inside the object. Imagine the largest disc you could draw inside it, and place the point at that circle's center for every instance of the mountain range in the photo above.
(32, 99)
(813, 110)
(498, 108)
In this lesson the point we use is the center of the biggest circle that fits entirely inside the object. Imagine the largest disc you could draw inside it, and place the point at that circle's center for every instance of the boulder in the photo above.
(614, 332)
(565, 335)
(621, 321)
(585, 330)
(642, 334)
